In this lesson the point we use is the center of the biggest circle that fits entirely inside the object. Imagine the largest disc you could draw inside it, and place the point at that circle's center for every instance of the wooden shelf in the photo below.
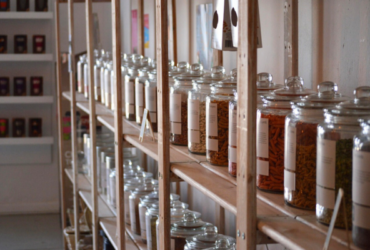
(46, 140)
(26, 99)
(83, 182)
(26, 15)
(26, 57)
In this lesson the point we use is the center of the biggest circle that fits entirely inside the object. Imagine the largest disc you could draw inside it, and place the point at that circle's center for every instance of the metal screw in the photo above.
(238, 233)
(243, 236)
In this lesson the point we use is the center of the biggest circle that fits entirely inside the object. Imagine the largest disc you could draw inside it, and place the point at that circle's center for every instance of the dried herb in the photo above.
(182, 139)
(275, 180)
(200, 148)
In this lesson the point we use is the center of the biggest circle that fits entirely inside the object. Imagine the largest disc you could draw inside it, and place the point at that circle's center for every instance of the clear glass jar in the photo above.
(112, 188)
(140, 94)
(223, 244)
(197, 109)
(360, 187)
(103, 171)
(300, 145)
(134, 201)
(208, 238)
(232, 135)
(271, 131)
(107, 59)
(217, 120)
(99, 149)
(80, 73)
(334, 156)
(151, 217)
(107, 84)
(151, 99)
(265, 85)
(179, 104)
(182, 68)
(110, 165)
(130, 77)
(130, 185)
(97, 80)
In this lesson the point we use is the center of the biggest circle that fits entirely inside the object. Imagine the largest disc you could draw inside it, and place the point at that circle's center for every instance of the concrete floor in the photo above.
(31, 232)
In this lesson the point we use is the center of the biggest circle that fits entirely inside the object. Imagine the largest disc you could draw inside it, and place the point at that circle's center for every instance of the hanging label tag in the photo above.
(146, 119)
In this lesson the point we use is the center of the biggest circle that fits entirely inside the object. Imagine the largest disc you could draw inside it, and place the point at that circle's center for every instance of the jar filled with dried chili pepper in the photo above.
(300, 145)
(197, 109)
(361, 187)
(270, 133)
(217, 120)
(334, 156)
(179, 104)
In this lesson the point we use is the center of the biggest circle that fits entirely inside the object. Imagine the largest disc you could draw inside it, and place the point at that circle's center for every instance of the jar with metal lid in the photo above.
(217, 120)
(110, 165)
(107, 84)
(151, 98)
(232, 134)
(179, 104)
(271, 131)
(103, 171)
(151, 217)
(187, 227)
(334, 155)
(300, 145)
(197, 109)
(134, 200)
(223, 244)
(140, 93)
(361, 187)
(80, 73)
(208, 238)
(265, 85)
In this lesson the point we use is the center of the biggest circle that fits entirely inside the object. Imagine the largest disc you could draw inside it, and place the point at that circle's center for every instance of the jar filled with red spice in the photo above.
(300, 145)
(270, 133)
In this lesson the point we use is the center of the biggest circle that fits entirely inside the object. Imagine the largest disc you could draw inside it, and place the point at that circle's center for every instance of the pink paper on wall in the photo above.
(134, 42)
(146, 31)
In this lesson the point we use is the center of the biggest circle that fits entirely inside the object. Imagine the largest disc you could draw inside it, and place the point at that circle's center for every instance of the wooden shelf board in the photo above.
(136, 238)
(26, 57)
(79, 97)
(45, 140)
(26, 15)
(103, 209)
(26, 99)
(221, 171)
(293, 234)
(83, 182)
(109, 226)
(184, 150)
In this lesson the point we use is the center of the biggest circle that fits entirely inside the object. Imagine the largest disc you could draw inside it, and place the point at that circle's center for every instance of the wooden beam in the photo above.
(163, 125)
(72, 84)
(217, 58)
(174, 31)
(63, 195)
(290, 38)
(92, 117)
(246, 126)
(118, 139)
(140, 27)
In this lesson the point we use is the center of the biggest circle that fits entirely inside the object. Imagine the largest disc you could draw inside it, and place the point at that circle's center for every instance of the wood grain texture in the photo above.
(140, 27)
(72, 85)
(62, 181)
(118, 141)
(174, 30)
(246, 125)
(163, 124)
(217, 58)
(291, 38)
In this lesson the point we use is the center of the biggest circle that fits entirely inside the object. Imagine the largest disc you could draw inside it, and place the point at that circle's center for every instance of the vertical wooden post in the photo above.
(217, 58)
(140, 27)
(174, 31)
(246, 126)
(72, 84)
(290, 38)
(163, 122)
(92, 117)
(118, 139)
(60, 121)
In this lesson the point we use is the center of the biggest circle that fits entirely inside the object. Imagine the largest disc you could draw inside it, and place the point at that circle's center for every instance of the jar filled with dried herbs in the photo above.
(270, 133)
(233, 134)
(217, 120)
(179, 104)
(334, 156)
(300, 145)
(361, 187)
(197, 109)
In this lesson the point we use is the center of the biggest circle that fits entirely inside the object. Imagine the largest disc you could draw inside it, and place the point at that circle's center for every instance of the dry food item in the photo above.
(272, 178)
(180, 131)
(233, 135)
(197, 138)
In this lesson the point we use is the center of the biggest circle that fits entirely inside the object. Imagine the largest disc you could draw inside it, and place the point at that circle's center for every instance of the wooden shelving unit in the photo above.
(258, 213)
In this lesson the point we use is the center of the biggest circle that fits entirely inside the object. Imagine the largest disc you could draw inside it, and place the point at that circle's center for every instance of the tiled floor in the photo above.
(31, 232)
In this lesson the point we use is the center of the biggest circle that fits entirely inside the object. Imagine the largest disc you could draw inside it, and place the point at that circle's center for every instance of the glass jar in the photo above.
(140, 94)
(217, 120)
(300, 145)
(232, 134)
(179, 104)
(80, 73)
(265, 85)
(197, 109)
(110, 165)
(207, 239)
(151, 98)
(98, 67)
(270, 133)
(223, 244)
(134, 200)
(151, 217)
(361, 187)
(130, 185)
(182, 67)
(107, 59)
(130, 77)
(334, 156)
(189, 226)
(112, 188)
(99, 149)
(103, 171)
(107, 84)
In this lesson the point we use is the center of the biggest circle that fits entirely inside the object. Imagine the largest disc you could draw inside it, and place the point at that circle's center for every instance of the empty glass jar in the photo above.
(151, 98)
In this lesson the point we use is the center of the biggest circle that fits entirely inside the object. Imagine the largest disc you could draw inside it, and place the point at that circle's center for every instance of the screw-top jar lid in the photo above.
(361, 101)
(265, 83)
